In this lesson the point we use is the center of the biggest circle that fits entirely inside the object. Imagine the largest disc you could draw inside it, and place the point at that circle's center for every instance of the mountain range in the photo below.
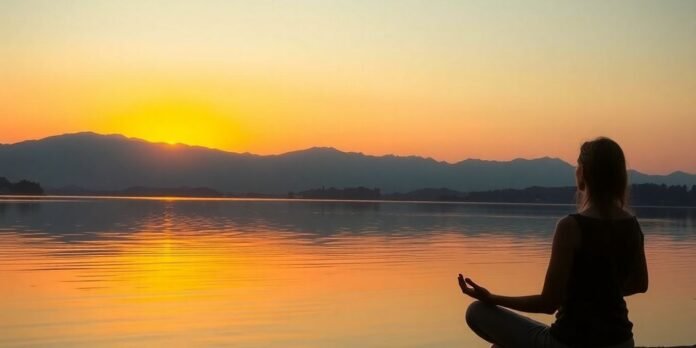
(113, 162)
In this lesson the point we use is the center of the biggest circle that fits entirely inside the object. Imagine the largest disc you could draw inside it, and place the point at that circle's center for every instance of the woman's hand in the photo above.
(474, 290)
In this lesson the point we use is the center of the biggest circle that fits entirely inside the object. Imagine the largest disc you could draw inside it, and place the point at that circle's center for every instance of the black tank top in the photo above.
(594, 313)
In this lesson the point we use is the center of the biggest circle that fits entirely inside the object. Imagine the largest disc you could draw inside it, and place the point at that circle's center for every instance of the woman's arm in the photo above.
(529, 304)
(637, 281)
(565, 240)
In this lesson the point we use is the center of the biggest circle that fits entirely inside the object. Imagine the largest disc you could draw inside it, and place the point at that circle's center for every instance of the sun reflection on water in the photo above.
(114, 272)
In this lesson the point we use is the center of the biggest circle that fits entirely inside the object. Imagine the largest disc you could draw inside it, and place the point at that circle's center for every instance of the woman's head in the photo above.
(601, 176)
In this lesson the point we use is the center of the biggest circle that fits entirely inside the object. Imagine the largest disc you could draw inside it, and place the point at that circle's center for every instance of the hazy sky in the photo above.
(444, 79)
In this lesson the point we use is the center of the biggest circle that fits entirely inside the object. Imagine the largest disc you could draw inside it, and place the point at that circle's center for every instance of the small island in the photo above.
(22, 187)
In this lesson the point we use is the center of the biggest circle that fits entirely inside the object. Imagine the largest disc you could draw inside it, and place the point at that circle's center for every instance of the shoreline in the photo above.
(28, 198)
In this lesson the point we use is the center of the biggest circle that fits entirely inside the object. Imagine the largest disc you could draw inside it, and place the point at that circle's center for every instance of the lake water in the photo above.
(259, 273)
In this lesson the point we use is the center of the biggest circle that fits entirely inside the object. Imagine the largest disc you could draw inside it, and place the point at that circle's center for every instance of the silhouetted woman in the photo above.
(597, 259)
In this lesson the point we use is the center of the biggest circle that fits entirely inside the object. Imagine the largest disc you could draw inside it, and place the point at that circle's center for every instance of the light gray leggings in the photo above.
(507, 329)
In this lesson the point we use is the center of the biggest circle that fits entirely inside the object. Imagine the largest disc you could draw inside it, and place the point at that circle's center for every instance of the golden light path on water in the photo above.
(107, 272)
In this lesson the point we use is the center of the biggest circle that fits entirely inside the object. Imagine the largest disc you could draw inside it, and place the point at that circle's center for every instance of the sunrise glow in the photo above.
(448, 80)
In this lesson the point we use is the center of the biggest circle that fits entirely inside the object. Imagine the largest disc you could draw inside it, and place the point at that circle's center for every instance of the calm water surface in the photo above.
(244, 273)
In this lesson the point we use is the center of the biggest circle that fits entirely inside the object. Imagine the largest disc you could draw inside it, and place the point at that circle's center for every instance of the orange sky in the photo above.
(446, 80)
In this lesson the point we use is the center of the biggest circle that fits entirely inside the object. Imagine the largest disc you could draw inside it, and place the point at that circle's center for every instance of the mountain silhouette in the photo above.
(114, 162)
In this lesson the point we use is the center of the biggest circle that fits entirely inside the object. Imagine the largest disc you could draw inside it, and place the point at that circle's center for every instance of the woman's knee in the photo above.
(475, 311)
(478, 317)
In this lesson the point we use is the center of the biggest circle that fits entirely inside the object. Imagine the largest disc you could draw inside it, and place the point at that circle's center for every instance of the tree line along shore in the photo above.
(639, 194)
(22, 187)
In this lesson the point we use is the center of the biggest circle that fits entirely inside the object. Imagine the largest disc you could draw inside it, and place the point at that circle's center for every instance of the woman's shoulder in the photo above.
(623, 222)
(568, 230)
(592, 215)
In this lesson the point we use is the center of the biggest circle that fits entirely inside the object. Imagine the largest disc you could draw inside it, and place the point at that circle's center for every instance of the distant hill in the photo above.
(354, 193)
(23, 187)
(139, 191)
(113, 162)
(639, 195)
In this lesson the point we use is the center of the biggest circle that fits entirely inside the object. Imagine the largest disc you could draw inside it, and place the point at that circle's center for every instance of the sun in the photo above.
(176, 119)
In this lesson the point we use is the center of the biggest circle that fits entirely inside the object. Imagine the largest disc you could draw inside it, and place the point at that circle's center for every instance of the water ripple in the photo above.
(110, 272)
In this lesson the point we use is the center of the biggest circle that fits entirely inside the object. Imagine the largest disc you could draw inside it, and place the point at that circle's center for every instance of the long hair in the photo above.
(604, 172)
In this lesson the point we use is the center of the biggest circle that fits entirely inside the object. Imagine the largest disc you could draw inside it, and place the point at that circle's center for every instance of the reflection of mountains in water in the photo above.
(103, 219)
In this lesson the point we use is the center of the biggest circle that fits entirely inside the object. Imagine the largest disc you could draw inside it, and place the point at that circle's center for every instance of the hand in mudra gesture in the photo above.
(474, 290)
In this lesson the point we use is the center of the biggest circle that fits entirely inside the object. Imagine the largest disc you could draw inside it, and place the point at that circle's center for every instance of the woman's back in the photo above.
(593, 312)
(597, 258)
